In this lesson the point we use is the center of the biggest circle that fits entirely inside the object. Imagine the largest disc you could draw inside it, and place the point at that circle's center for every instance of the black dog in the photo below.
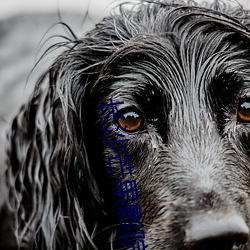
(182, 77)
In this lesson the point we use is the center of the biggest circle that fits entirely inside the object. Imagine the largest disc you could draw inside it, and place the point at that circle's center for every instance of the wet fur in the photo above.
(185, 68)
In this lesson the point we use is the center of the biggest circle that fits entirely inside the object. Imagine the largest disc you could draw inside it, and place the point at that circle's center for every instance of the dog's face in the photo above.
(186, 93)
(183, 75)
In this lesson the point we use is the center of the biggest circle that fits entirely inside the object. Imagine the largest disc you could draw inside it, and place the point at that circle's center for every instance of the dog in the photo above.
(137, 136)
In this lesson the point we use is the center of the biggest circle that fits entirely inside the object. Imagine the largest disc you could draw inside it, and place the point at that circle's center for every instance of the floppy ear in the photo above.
(53, 195)
(47, 170)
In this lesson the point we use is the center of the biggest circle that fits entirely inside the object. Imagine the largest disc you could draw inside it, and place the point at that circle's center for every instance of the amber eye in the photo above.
(243, 113)
(132, 121)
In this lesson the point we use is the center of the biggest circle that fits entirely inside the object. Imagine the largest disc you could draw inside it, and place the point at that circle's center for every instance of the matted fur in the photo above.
(184, 68)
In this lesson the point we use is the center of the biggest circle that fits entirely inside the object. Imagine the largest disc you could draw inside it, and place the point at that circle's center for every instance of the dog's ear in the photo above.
(52, 190)
(46, 170)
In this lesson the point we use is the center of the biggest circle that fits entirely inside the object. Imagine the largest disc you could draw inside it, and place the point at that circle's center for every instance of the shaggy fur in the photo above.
(185, 70)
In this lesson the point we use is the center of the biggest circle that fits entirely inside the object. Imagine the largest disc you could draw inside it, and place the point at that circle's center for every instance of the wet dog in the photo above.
(178, 76)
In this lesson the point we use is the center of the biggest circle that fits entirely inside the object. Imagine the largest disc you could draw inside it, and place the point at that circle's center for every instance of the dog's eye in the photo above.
(132, 121)
(243, 113)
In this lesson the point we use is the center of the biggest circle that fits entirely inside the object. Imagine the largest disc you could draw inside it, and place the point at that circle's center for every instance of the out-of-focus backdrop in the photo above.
(25, 26)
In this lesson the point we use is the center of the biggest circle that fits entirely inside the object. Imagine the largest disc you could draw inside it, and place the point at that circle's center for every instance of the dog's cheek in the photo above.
(145, 154)
(143, 159)
(163, 216)
(243, 140)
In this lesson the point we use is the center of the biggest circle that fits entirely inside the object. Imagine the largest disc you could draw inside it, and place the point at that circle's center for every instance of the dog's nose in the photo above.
(217, 232)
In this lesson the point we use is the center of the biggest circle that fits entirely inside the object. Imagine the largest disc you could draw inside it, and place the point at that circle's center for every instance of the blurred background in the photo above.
(25, 29)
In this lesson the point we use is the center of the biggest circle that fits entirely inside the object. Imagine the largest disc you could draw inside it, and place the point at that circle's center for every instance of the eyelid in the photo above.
(132, 107)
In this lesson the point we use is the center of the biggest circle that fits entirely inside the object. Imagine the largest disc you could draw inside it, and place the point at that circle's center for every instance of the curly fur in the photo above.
(184, 66)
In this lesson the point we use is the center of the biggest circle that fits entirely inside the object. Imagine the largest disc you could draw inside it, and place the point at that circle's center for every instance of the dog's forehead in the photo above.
(183, 66)
(185, 54)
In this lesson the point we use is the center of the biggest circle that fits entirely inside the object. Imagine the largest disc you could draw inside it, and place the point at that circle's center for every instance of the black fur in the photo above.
(184, 69)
